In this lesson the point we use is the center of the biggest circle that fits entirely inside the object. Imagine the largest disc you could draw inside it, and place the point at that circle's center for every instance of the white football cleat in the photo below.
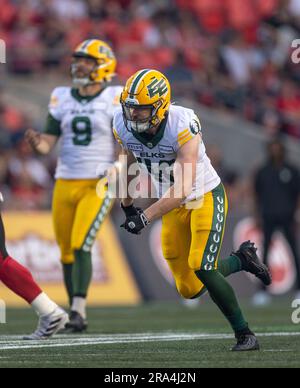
(49, 325)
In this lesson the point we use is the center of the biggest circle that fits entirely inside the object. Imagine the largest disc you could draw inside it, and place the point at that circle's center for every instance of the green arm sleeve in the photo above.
(53, 126)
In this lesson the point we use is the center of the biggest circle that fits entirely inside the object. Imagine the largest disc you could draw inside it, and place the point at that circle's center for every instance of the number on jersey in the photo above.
(82, 128)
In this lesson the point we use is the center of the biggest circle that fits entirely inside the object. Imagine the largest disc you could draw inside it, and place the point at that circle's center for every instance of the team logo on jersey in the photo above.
(195, 127)
(157, 87)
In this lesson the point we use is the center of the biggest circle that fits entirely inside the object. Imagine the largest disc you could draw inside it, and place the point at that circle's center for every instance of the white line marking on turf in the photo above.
(278, 350)
(15, 343)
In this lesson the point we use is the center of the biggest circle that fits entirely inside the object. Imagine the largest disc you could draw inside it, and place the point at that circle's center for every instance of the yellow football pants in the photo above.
(192, 240)
(78, 213)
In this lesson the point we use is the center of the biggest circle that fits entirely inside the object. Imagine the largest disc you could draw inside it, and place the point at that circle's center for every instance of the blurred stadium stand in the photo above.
(229, 59)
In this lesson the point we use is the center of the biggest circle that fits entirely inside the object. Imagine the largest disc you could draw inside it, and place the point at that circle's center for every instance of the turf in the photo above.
(155, 336)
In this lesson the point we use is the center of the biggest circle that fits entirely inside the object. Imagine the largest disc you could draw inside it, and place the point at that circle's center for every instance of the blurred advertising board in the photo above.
(30, 240)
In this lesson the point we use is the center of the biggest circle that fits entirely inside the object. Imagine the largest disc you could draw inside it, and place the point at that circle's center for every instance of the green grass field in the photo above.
(155, 336)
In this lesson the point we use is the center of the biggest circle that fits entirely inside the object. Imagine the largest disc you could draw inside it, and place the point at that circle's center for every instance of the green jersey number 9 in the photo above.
(82, 129)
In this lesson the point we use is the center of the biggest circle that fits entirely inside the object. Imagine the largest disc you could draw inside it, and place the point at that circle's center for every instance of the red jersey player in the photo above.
(19, 280)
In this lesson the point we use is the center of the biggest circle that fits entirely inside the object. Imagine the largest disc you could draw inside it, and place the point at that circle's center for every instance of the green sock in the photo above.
(224, 297)
(229, 266)
(226, 267)
(82, 273)
(67, 270)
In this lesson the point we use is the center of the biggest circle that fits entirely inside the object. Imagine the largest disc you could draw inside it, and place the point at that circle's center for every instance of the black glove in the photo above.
(136, 223)
(130, 210)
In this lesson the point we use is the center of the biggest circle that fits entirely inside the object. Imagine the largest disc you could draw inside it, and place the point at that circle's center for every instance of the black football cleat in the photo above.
(77, 324)
(246, 343)
(251, 263)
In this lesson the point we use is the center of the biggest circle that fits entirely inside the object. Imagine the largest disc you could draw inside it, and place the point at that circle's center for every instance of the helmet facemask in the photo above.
(142, 124)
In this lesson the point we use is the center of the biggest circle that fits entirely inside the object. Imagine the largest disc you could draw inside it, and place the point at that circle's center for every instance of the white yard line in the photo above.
(15, 343)
(278, 351)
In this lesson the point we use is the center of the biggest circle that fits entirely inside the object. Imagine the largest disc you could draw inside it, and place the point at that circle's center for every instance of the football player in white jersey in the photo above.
(81, 117)
(192, 200)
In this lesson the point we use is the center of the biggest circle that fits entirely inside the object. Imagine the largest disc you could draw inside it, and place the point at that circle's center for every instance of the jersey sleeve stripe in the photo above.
(184, 141)
(117, 137)
(184, 136)
(183, 133)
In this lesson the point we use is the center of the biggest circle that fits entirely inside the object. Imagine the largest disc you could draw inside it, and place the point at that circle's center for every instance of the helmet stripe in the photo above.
(137, 80)
(86, 44)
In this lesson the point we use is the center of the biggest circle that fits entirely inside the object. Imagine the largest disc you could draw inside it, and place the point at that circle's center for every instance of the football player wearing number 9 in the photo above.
(192, 235)
(82, 118)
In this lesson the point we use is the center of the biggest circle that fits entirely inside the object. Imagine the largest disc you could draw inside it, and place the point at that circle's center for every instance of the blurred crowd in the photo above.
(233, 55)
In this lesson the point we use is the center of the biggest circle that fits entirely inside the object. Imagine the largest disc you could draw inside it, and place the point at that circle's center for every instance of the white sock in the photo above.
(43, 305)
(79, 305)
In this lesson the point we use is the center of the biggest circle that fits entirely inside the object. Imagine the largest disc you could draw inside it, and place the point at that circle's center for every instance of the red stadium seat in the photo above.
(267, 7)
(242, 14)
(210, 13)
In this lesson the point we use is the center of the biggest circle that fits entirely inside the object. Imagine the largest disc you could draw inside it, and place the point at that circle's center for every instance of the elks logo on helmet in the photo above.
(157, 87)
(107, 51)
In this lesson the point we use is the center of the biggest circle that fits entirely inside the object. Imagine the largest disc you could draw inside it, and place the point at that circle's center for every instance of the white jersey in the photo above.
(181, 126)
(85, 126)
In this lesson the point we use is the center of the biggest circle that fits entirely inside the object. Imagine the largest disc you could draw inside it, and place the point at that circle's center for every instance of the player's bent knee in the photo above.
(186, 291)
